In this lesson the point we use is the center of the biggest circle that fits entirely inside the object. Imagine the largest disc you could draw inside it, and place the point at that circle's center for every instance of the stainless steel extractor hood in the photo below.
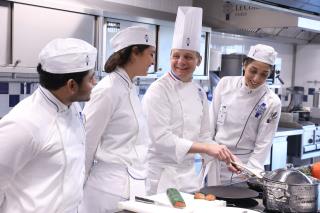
(254, 18)
(311, 7)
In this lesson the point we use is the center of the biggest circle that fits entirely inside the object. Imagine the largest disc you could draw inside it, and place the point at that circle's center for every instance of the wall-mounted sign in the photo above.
(113, 27)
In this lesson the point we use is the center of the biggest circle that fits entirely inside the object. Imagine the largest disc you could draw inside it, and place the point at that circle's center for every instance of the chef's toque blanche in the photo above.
(263, 53)
(187, 29)
(132, 36)
(68, 55)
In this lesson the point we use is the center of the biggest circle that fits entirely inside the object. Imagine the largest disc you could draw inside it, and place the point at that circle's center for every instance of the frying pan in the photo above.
(230, 192)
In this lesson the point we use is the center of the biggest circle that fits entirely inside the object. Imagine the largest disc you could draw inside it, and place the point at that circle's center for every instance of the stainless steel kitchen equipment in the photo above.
(296, 103)
(306, 145)
(289, 190)
(231, 65)
(315, 113)
(296, 99)
(316, 99)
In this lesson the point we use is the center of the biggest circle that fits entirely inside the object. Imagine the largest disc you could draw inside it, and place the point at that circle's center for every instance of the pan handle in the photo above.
(247, 169)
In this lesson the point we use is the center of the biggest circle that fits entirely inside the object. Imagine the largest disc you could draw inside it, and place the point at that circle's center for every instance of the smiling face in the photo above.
(146, 59)
(139, 61)
(256, 73)
(184, 62)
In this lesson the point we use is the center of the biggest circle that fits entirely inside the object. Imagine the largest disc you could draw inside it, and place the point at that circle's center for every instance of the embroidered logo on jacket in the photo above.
(260, 110)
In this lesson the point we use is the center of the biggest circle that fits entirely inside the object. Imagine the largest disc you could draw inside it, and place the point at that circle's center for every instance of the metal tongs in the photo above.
(247, 169)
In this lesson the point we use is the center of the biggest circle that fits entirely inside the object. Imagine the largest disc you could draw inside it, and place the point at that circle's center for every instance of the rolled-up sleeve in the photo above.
(157, 108)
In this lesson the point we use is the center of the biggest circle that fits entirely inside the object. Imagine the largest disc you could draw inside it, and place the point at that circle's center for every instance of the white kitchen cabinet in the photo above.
(33, 27)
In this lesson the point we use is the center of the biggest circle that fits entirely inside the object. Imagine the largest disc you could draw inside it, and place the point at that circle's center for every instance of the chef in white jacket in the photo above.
(245, 112)
(42, 139)
(117, 136)
(177, 114)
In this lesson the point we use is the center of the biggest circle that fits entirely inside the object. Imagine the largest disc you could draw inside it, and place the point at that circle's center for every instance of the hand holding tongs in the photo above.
(247, 169)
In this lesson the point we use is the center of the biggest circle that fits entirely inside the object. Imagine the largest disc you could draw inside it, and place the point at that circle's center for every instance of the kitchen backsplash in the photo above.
(13, 92)
(285, 96)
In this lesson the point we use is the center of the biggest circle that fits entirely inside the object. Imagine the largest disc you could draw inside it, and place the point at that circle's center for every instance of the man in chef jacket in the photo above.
(42, 138)
(177, 114)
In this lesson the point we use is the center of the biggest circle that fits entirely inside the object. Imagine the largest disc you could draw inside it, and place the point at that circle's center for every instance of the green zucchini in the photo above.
(175, 198)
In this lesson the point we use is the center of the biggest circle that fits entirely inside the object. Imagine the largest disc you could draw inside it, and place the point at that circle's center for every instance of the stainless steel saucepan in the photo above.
(285, 190)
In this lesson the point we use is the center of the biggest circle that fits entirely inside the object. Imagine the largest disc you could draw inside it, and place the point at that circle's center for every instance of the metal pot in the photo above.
(289, 190)
(255, 184)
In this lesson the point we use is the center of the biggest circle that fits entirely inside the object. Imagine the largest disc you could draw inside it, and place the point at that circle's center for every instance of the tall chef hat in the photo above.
(132, 36)
(68, 55)
(263, 53)
(187, 29)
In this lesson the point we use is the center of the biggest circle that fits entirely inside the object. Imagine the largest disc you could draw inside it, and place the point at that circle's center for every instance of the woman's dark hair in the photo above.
(246, 61)
(122, 57)
(52, 81)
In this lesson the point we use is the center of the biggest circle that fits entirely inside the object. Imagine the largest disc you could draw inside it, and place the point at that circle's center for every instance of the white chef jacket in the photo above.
(245, 120)
(177, 115)
(42, 156)
(117, 135)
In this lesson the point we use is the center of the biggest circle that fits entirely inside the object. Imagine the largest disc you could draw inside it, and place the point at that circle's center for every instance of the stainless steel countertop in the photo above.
(284, 131)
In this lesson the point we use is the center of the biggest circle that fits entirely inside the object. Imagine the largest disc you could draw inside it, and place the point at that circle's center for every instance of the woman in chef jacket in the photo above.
(117, 137)
(245, 112)
(178, 115)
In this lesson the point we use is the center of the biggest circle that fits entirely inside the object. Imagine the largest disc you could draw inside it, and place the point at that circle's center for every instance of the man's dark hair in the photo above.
(53, 81)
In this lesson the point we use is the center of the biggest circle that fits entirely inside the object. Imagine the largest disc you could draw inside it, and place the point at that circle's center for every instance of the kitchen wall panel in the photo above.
(308, 65)
(33, 27)
(170, 6)
(307, 70)
(5, 33)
